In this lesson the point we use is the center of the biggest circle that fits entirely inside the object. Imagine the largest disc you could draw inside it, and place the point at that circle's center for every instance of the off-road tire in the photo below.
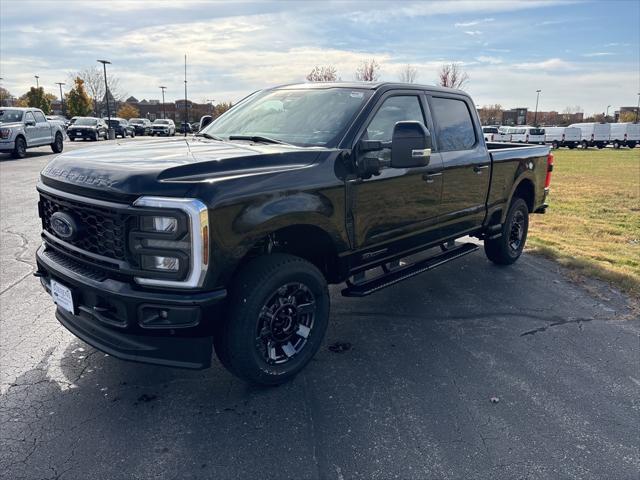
(501, 250)
(235, 340)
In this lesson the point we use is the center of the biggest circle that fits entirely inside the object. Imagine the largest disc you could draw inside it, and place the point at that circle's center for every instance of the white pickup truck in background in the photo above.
(22, 128)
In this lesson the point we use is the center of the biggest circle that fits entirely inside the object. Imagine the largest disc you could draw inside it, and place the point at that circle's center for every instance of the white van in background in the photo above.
(625, 134)
(526, 134)
(594, 134)
(562, 136)
(503, 134)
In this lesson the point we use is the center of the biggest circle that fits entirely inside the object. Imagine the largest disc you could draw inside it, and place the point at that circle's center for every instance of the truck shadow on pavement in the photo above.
(403, 385)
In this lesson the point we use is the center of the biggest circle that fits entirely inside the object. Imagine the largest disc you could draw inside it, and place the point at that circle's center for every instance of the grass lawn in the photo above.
(593, 221)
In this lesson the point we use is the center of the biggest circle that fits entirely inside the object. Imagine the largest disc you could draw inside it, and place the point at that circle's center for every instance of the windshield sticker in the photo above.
(357, 94)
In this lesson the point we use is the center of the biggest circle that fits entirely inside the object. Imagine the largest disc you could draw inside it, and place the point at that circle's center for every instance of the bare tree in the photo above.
(368, 71)
(408, 74)
(490, 114)
(451, 75)
(323, 73)
(93, 78)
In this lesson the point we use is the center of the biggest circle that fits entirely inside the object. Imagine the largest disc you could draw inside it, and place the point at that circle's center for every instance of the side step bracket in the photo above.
(392, 277)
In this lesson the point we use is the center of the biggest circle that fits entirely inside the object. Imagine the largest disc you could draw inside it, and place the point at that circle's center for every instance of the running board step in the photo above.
(369, 286)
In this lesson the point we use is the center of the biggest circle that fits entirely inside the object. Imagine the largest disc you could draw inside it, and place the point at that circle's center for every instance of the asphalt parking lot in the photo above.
(409, 395)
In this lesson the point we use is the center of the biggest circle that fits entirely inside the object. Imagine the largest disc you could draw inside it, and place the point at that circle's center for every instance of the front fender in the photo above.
(260, 218)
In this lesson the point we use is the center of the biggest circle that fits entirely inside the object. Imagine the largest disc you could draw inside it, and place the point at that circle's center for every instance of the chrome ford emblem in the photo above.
(63, 225)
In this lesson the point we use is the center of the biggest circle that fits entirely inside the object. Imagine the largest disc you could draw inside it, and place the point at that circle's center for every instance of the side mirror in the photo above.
(410, 145)
(205, 120)
(30, 123)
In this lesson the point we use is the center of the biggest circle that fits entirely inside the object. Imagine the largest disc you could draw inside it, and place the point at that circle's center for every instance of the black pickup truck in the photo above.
(158, 251)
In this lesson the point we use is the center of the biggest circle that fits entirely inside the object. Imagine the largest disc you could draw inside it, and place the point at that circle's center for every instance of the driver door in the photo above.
(400, 204)
(30, 131)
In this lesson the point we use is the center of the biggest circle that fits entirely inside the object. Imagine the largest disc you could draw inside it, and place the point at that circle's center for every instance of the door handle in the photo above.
(430, 177)
(480, 168)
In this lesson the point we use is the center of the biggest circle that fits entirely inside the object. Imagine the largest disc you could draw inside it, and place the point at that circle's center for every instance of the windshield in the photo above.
(304, 117)
(7, 115)
(136, 120)
(489, 129)
(85, 121)
(161, 122)
(536, 131)
(114, 123)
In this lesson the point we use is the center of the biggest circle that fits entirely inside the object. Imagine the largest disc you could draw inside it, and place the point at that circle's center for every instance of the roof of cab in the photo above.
(369, 86)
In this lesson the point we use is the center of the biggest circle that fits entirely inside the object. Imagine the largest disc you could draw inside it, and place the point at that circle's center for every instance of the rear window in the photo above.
(489, 129)
(536, 131)
(454, 124)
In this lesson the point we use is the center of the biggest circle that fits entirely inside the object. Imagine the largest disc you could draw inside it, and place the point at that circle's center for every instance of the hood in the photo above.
(169, 167)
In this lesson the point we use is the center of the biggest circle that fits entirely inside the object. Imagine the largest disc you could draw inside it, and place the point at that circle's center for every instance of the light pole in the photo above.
(60, 84)
(607, 114)
(37, 82)
(535, 115)
(164, 113)
(186, 111)
(112, 132)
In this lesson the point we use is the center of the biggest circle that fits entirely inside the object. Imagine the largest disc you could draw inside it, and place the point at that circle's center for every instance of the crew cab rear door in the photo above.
(467, 164)
(400, 202)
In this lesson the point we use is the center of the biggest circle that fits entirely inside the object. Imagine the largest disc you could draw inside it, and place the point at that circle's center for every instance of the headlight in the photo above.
(172, 246)
(5, 132)
(162, 264)
(160, 224)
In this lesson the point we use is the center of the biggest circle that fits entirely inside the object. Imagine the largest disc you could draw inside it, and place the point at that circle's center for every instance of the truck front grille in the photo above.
(103, 231)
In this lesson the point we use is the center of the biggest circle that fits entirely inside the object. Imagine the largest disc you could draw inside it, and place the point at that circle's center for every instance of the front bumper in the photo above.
(81, 133)
(7, 145)
(127, 323)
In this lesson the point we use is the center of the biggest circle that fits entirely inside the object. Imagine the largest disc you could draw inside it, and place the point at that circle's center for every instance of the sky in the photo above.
(579, 53)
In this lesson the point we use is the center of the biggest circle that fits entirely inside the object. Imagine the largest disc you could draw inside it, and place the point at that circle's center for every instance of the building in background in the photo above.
(515, 116)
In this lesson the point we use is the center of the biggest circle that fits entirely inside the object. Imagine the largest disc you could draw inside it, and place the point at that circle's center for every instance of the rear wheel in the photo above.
(57, 144)
(20, 148)
(507, 248)
(276, 319)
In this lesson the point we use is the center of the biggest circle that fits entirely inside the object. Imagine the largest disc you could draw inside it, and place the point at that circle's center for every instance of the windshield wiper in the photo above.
(209, 136)
(256, 138)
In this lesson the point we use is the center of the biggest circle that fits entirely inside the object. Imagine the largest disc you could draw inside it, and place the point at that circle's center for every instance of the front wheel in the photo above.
(57, 144)
(20, 148)
(276, 319)
(507, 248)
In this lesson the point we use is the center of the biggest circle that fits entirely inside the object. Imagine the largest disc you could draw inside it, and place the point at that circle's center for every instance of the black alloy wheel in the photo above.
(285, 322)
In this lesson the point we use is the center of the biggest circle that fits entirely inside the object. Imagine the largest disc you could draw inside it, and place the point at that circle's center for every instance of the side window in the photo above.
(454, 124)
(39, 117)
(29, 117)
(392, 111)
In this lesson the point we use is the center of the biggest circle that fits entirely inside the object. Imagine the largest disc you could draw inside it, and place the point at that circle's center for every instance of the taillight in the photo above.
(547, 180)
